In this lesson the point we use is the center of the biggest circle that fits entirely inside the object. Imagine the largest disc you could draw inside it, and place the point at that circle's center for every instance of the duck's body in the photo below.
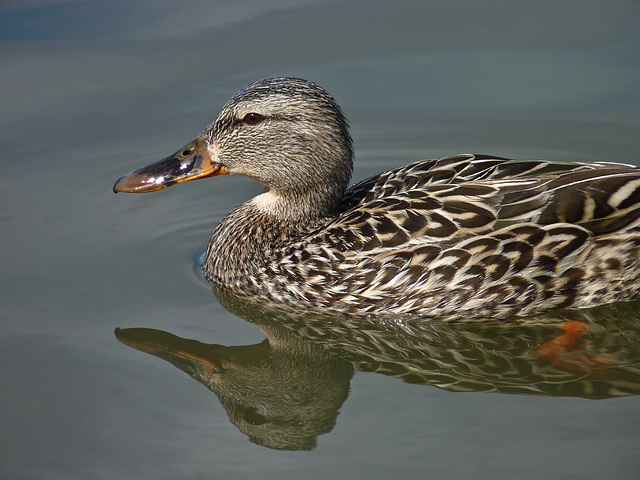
(464, 236)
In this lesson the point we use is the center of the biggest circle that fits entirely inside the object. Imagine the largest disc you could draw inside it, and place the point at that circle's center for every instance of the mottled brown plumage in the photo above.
(464, 236)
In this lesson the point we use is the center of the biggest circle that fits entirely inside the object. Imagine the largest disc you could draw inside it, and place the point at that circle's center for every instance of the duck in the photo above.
(461, 237)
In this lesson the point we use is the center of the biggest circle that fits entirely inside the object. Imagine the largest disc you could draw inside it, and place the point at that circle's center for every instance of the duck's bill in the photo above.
(189, 163)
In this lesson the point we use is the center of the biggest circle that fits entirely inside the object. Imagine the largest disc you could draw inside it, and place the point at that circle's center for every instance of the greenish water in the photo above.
(94, 89)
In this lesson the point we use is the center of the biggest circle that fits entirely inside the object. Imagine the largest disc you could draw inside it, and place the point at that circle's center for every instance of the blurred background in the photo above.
(92, 89)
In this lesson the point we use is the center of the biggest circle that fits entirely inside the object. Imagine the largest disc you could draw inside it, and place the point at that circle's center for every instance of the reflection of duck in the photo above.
(463, 236)
(287, 390)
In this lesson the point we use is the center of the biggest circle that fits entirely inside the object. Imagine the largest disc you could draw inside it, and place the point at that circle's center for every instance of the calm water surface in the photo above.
(94, 89)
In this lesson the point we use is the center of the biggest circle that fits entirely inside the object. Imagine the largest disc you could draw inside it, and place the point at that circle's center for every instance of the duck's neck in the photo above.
(250, 237)
(298, 208)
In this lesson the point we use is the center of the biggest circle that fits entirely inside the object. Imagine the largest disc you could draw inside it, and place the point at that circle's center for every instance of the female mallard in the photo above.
(463, 236)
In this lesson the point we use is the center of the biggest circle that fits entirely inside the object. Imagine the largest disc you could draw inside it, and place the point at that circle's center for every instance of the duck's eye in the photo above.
(252, 118)
(186, 152)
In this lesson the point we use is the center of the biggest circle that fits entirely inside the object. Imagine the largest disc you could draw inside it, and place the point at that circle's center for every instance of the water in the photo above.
(94, 89)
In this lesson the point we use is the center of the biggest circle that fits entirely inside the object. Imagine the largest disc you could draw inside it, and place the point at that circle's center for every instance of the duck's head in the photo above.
(287, 133)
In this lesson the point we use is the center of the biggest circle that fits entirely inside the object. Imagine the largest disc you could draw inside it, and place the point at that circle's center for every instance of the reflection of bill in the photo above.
(284, 392)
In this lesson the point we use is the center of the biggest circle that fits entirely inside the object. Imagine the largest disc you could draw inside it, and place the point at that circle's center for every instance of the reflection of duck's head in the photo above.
(288, 134)
(280, 398)
(285, 399)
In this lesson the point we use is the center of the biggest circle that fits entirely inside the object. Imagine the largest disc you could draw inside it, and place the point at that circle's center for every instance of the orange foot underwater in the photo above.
(559, 351)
